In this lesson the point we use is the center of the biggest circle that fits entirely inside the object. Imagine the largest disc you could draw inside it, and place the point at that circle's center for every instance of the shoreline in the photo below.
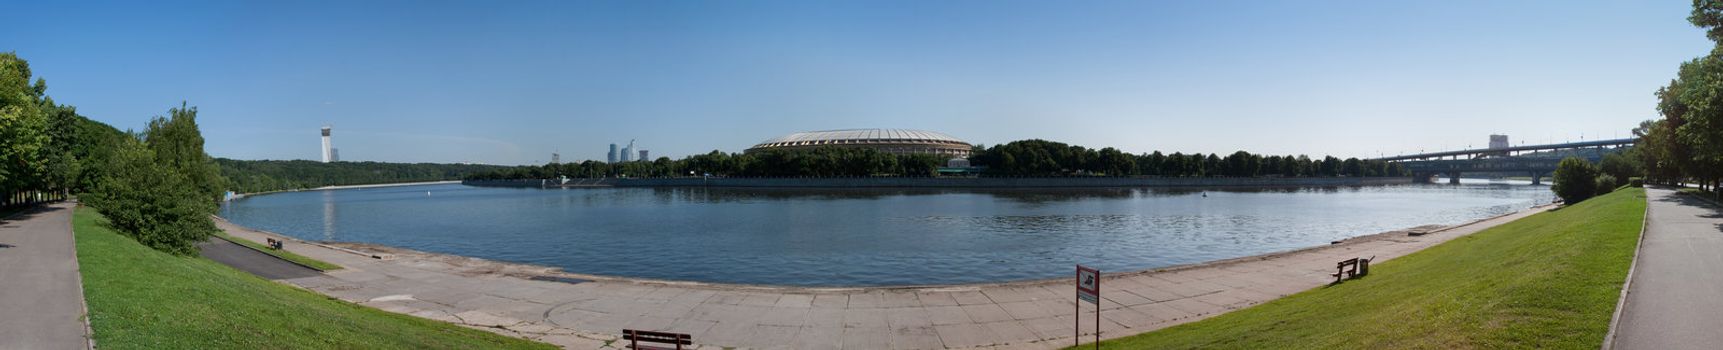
(950, 182)
(504, 298)
(528, 271)
(343, 187)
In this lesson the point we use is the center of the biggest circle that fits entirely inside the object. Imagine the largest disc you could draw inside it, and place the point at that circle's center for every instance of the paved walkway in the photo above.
(41, 294)
(257, 263)
(1028, 315)
(1675, 300)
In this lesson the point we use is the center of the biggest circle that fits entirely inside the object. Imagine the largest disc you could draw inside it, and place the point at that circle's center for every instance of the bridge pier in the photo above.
(1454, 178)
(1422, 178)
(1537, 178)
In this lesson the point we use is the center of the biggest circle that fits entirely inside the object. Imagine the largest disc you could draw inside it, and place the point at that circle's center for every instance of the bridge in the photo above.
(1535, 160)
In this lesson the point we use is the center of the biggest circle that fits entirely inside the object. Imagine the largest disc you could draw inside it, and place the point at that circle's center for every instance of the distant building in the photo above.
(894, 141)
(644, 157)
(555, 158)
(613, 153)
(628, 152)
(958, 167)
(1498, 141)
(328, 152)
(334, 154)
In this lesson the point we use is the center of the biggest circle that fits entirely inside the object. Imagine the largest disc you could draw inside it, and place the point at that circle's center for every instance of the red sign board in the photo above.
(1089, 284)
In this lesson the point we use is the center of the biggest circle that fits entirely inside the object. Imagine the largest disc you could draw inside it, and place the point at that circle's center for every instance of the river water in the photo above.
(872, 237)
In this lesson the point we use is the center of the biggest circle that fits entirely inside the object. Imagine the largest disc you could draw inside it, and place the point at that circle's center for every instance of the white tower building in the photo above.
(628, 152)
(328, 152)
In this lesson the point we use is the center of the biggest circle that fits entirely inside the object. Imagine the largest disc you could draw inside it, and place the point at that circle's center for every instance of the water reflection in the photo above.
(328, 215)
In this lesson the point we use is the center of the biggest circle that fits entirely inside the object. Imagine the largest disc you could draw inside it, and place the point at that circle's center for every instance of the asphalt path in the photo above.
(1675, 300)
(255, 262)
(41, 294)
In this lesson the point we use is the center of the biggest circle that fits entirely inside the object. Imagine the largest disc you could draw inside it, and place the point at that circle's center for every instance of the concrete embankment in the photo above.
(934, 182)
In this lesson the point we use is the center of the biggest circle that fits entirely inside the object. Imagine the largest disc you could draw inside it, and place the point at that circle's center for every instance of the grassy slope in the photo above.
(143, 299)
(1546, 281)
(287, 255)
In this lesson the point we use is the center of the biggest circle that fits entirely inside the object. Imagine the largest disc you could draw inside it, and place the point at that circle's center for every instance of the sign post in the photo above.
(1088, 289)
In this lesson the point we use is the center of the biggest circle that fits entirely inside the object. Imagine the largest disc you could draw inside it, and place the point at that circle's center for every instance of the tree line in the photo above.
(1019, 158)
(1685, 146)
(157, 186)
(252, 176)
(1048, 158)
(819, 162)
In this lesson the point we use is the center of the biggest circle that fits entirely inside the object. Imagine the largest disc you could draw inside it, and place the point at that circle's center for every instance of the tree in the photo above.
(1708, 14)
(23, 128)
(178, 144)
(1605, 184)
(147, 201)
(1575, 180)
(1619, 167)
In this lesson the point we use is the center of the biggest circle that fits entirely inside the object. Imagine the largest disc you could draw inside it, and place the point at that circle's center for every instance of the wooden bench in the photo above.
(635, 337)
(274, 243)
(1359, 267)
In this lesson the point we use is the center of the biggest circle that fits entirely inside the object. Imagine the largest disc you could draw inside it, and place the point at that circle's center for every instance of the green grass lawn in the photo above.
(283, 254)
(1550, 280)
(143, 299)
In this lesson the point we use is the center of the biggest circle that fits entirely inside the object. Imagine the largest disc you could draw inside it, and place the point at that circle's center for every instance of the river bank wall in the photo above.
(970, 182)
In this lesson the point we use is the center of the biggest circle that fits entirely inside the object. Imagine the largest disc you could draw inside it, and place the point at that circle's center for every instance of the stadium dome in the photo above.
(895, 141)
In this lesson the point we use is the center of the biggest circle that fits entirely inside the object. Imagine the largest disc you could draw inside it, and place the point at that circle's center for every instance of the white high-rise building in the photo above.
(628, 152)
(328, 152)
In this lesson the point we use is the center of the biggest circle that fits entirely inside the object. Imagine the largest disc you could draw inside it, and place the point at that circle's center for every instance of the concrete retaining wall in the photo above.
(985, 182)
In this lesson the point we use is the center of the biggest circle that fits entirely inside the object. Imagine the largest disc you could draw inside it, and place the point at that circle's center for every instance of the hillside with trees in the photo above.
(250, 176)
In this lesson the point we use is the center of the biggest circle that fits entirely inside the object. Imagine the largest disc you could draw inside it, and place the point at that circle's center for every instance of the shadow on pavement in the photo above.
(26, 214)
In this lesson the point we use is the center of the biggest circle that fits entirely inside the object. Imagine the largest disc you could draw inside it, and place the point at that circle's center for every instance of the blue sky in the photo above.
(508, 82)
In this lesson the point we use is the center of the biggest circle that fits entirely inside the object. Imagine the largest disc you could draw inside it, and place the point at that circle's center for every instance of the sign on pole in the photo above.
(1088, 289)
(1089, 284)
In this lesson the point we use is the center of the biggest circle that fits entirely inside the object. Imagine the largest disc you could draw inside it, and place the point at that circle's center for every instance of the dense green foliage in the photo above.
(1048, 158)
(1548, 281)
(1621, 166)
(142, 299)
(46, 149)
(1605, 185)
(1019, 158)
(145, 202)
(1686, 145)
(158, 186)
(1575, 180)
(252, 176)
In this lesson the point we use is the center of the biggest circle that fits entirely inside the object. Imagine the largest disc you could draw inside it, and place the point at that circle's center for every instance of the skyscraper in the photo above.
(628, 152)
(613, 153)
(328, 152)
(643, 156)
